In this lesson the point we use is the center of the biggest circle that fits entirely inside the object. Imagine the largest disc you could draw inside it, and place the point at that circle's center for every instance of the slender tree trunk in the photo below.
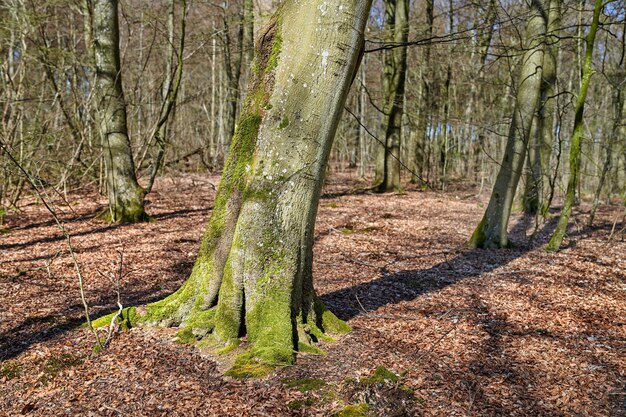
(352, 144)
(169, 91)
(363, 119)
(445, 133)
(253, 274)
(617, 80)
(618, 105)
(492, 230)
(247, 40)
(125, 194)
(577, 135)
(481, 48)
(213, 136)
(541, 138)
(396, 23)
(420, 161)
(232, 65)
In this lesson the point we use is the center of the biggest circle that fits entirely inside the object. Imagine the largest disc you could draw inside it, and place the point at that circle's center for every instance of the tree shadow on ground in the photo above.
(392, 288)
(494, 364)
(94, 230)
(38, 329)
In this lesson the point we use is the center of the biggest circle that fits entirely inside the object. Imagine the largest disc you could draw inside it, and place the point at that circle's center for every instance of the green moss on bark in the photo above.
(330, 322)
(479, 237)
(229, 309)
(270, 329)
(308, 348)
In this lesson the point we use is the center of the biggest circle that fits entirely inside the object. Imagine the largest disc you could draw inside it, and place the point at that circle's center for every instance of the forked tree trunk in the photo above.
(492, 230)
(125, 194)
(394, 77)
(253, 274)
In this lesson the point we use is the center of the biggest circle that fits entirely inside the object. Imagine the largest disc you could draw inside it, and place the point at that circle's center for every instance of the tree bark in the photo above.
(394, 79)
(232, 66)
(169, 91)
(418, 151)
(577, 135)
(491, 232)
(541, 138)
(253, 273)
(125, 194)
(618, 105)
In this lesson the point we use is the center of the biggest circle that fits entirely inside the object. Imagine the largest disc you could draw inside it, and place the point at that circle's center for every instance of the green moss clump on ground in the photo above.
(56, 364)
(299, 404)
(247, 366)
(354, 410)
(304, 384)
(381, 374)
(10, 370)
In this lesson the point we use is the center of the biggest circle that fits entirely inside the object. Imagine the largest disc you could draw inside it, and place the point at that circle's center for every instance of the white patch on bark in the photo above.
(325, 60)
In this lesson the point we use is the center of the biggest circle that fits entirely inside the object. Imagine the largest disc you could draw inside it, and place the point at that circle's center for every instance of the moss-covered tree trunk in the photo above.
(541, 137)
(253, 274)
(491, 232)
(394, 77)
(577, 135)
(125, 195)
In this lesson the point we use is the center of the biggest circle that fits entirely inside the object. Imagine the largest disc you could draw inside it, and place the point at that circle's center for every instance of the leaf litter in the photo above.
(465, 332)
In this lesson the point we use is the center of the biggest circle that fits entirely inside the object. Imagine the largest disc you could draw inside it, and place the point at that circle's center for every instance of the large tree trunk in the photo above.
(577, 135)
(253, 274)
(492, 230)
(125, 194)
(394, 77)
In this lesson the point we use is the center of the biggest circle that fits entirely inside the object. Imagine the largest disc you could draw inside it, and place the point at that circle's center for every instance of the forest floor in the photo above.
(438, 329)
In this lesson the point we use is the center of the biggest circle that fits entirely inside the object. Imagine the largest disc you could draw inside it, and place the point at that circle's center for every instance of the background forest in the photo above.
(462, 61)
(125, 125)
